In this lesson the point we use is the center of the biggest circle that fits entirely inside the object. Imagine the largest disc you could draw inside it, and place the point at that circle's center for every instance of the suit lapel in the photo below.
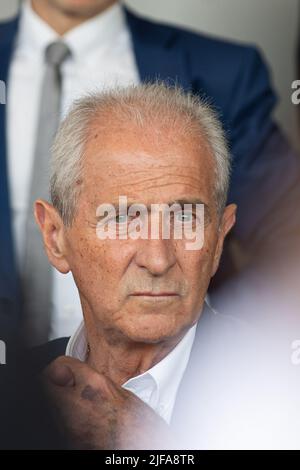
(8, 274)
(158, 52)
(156, 58)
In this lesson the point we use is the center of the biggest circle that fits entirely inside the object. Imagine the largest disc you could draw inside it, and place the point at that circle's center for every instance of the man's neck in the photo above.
(121, 360)
(61, 20)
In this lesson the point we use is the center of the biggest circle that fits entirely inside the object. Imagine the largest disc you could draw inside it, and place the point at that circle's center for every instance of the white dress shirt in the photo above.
(102, 56)
(158, 386)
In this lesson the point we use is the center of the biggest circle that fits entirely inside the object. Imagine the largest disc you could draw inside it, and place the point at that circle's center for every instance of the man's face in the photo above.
(80, 8)
(146, 289)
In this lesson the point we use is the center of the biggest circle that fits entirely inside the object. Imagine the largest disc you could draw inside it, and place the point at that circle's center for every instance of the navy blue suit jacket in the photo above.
(265, 175)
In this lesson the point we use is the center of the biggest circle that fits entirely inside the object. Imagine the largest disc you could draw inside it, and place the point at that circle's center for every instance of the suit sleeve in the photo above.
(266, 169)
(265, 185)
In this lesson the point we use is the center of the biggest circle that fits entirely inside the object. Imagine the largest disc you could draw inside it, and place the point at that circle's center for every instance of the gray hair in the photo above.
(137, 104)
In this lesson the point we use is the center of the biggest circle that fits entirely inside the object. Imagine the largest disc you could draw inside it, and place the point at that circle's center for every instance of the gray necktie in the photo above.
(37, 275)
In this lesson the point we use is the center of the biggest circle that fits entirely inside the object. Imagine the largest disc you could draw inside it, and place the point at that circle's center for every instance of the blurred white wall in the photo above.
(270, 24)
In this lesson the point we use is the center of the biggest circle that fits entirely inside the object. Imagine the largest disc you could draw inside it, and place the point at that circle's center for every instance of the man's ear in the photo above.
(226, 224)
(52, 229)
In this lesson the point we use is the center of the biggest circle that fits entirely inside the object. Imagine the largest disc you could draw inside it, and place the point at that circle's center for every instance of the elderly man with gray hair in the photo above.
(145, 366)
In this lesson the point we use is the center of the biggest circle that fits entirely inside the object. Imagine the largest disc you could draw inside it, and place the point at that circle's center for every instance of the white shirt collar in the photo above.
(159, 385)
(167, 375)
(100, 31)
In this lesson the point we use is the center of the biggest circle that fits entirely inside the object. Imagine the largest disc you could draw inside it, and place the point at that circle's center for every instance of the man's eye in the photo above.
(122, 219)
(184, 217)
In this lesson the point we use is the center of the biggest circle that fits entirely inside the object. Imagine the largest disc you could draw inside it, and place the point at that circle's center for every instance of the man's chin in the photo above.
(79, 8)
(153, 330)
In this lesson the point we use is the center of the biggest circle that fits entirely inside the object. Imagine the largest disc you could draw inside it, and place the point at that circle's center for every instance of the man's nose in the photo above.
(157, 256)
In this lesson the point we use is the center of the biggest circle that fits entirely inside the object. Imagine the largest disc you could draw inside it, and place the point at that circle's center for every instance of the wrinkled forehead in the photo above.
(153, 152)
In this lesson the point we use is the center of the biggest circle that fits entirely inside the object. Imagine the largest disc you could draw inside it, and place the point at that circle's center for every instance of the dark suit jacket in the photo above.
(265, 177)
(23, 402)
(232, 391)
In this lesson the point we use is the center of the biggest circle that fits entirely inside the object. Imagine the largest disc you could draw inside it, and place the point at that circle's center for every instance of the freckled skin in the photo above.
(127, 333)
(89, 393)
(108, 271)
(93, 413)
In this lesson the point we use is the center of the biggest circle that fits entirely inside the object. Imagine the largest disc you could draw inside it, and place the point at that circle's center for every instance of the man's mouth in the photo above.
(155, 294)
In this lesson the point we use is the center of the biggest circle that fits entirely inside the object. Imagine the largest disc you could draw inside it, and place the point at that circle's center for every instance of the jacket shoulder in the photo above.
(41, 356)
(8, 30)
(222, 71)
(193, 41)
